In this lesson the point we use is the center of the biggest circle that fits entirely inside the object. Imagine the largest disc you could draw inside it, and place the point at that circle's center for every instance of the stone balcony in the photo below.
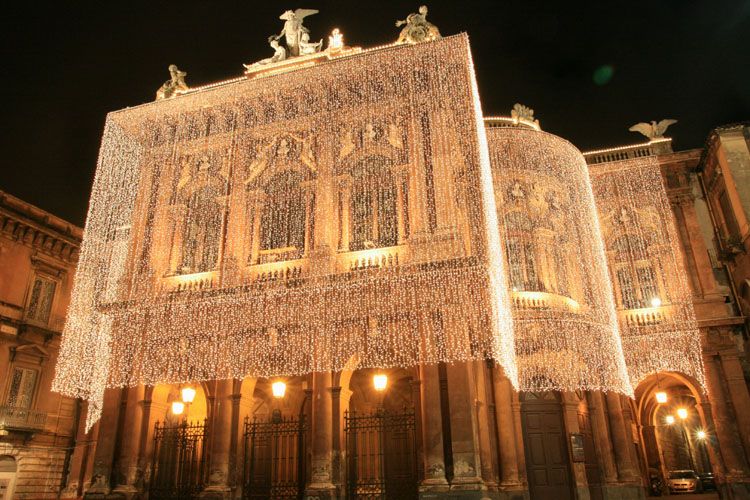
(651, 148)
(543, 300)
(21, 419)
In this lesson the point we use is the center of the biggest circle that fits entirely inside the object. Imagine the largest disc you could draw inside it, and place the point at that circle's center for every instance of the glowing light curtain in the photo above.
(290, 224)
(565, 326)
(654, 301)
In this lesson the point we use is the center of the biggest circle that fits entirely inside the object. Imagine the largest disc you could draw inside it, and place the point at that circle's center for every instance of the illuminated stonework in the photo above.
(654, 302)
(285, 224)
(564, 317)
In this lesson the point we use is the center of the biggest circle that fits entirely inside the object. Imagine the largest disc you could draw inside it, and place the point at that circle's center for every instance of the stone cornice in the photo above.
(31, 226)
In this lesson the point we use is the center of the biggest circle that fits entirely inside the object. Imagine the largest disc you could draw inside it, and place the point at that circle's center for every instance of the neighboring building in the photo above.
(38, 254)
(725, 177)
(264, 196)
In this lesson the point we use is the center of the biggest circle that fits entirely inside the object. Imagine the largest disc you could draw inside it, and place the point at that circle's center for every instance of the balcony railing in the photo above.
(12, 418)
(653, 147)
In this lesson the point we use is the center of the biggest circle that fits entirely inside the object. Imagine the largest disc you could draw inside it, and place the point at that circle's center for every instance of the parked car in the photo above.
(707, 481)
(684, 481)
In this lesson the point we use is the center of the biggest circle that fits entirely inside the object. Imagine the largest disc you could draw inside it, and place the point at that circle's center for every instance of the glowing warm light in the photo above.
(669, 419)
(178, 407)
(188, 394)
(682, 413)
(701, 434)
(161, 296)
(380, 381)
(564, 319)
(645, 255)
(279, 389)
(336, 40)
(661, 397)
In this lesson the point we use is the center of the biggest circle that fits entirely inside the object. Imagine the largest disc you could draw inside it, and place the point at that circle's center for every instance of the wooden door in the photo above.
(545, 445)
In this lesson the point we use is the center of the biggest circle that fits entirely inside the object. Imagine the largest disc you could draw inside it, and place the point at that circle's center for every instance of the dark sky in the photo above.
(65, 66)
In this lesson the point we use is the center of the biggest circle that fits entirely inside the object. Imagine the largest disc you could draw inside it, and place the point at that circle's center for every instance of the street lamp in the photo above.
(661, 397)
(682, 413)
(279, 389)
(178, 407)
(669, 419)
(655, 302)
(380, 381)
(188, 394)
(701, 434)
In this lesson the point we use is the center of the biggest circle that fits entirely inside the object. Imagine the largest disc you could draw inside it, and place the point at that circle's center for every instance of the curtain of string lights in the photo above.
(290, 224)
(564, 316)
(655, 308)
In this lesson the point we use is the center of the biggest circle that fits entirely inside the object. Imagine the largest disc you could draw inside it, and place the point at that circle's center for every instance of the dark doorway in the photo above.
(274, 465)
(545, 445)
(179, 466)
(381, 455)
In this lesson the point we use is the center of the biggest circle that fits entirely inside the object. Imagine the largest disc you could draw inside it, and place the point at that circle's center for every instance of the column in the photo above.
(401, 206)
(726, 432)
(308, 194)
(486, 418)
(106, 441)
(80, 455)
(601, 437)
(621, 440)
(221, 432)
(464, 429)
(321, 480)
(432, 429)
(340, 397)
(738, 394)
(127, 462)
(506, 430)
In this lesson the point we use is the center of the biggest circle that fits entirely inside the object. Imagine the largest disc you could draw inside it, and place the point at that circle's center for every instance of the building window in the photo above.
(647, 284)
(627, 290)
(40, 300)
(284, 213)
(22, 385)
(200, 247)
(373, 205)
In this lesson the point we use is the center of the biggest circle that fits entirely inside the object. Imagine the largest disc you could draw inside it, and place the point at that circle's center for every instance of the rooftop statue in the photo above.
(174, 86)
(294, 33)
(521, 112)
(417, 28)
(653, 130)
(279, 53)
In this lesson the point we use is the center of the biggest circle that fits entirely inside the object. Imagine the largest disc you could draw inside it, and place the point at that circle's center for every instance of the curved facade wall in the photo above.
(564, 317)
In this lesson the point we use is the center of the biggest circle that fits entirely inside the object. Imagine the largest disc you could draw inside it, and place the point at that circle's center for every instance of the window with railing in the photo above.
(21, 389)
(41, 295)
(284, 214)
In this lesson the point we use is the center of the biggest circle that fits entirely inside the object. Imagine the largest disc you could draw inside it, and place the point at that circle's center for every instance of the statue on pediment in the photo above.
(417, 29)
(174, 86)
(293, 32)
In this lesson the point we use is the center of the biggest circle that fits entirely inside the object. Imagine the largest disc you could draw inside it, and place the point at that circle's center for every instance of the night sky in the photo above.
(589, 69)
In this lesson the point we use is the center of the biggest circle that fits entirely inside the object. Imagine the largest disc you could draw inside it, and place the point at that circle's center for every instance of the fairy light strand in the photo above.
(290, 224)
(654, 301)
(565, 325)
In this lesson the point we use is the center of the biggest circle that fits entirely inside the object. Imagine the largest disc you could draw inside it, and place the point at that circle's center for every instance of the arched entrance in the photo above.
(675, 432)
(274, 440)
(380, 433)
(7, 476)
(179, 466)
(545, 445)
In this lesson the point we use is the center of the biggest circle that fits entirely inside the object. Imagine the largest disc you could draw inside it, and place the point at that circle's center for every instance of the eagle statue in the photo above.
(653, 130)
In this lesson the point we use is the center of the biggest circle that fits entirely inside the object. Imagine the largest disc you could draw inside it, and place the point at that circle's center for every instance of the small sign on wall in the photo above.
(576, 447)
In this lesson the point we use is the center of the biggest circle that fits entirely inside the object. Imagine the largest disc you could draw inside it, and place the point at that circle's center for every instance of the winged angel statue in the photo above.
(653, 130)
(297, 37)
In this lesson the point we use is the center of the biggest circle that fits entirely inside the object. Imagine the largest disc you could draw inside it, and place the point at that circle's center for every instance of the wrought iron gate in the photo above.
(179, 463)
(274, 465)
(381, 455)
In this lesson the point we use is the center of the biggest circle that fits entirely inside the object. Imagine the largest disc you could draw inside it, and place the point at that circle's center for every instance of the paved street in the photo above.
(701, 496)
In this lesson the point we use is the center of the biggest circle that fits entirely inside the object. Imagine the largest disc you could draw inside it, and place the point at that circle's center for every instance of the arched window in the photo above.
(374, 222)
(636, 278)
(202, 230)
(283, 220)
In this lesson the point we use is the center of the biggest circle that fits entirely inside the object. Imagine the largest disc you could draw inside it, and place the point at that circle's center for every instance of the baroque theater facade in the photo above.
(333, 277)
